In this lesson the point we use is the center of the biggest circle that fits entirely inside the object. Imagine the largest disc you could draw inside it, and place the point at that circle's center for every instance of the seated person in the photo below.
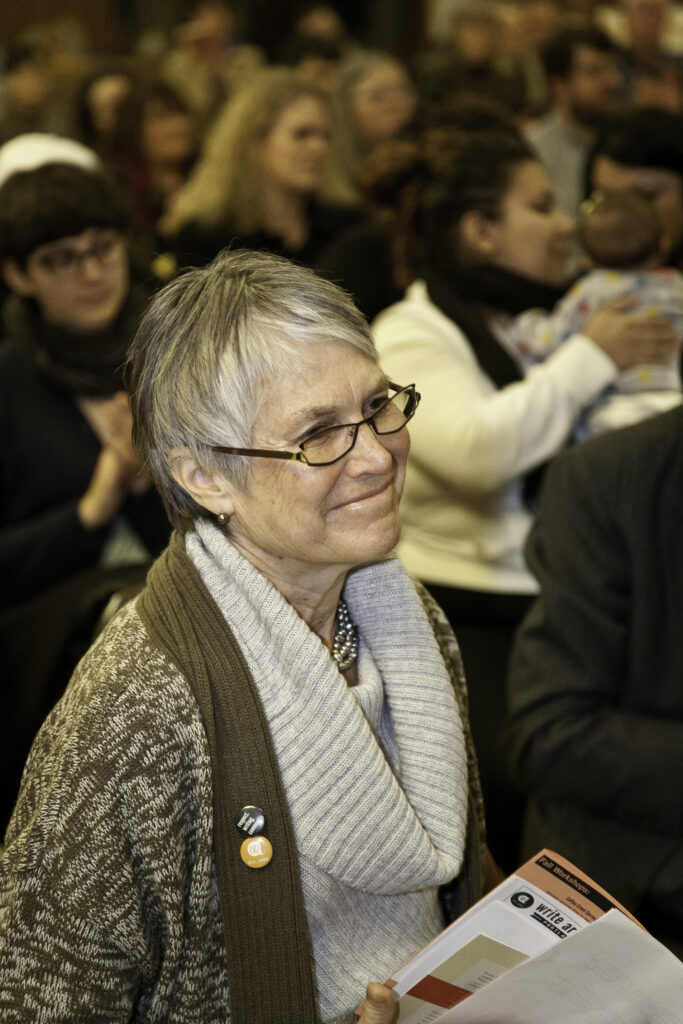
(73, 498)
(595, 683)
(621, 236)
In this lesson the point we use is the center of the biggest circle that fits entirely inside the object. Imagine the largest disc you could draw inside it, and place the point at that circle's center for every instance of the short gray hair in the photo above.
(208, 343)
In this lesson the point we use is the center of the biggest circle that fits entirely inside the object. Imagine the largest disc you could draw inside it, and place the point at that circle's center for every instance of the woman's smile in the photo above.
(371, 499)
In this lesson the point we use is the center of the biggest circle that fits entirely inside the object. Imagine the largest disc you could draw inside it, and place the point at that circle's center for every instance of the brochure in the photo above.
(528, 916)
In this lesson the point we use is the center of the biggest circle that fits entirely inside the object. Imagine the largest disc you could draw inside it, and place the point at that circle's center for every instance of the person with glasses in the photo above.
(259, 791)
(75, 505)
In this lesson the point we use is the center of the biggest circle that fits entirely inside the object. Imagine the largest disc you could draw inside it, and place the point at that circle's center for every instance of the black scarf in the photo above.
(88, 363)
(469, 295)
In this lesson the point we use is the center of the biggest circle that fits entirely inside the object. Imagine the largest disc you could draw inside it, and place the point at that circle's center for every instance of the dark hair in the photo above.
(558, 54)
(619, 229)
(133, 110)
(82, 104)
(22, 52)
(53, 202)
(650, 137)
(431, 183)
(473, 174)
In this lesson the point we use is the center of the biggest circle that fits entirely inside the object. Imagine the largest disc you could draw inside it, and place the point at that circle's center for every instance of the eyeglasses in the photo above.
(64, 260)
(330, 444)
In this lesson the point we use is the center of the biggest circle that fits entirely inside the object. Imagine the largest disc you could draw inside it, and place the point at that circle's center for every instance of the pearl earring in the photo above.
(221, 518)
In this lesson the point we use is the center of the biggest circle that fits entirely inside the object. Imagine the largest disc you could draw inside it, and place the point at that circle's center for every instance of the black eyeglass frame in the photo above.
(300, 456)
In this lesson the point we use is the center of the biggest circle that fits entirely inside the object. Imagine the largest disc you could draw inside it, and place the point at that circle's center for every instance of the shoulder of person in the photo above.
(127, 725)
(632, 457)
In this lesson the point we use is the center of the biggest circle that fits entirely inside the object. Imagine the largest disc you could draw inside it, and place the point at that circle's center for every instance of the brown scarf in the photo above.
(268, 945)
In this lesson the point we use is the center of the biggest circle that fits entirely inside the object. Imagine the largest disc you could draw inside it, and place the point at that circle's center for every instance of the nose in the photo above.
(368, 454)
(91, 266)
(565, 224)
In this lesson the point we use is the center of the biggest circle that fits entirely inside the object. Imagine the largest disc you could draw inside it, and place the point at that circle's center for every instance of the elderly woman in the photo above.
(258, 793)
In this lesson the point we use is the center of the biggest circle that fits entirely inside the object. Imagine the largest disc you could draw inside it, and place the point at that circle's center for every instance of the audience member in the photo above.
(368, 258)
(259, 182)
(622, 238)
(154, 147)
(209, 65)
(97, 104)
(29, 101)
(374, 101)
(75, 504)
(652, 71)
(472, 58)
(492, 243)
(643, 150)
(596, 702)
(255, 707)
(586, 86)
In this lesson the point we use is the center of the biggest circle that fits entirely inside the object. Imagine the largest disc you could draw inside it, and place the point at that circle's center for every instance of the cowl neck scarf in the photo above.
(468, 296)
(199, 610)
(298, 682)
(88, 363)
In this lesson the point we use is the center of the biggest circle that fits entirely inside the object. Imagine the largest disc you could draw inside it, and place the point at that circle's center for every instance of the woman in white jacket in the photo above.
(490, 242)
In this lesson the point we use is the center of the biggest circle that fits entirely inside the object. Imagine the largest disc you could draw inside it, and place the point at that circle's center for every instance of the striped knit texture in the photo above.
(372, 849)
(108, 902)
(108, 899)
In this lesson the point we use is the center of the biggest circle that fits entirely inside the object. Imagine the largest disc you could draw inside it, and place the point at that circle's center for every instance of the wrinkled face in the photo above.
(664, 188)
(382, 103)
(294, 153)
(532, 236)
(297, 522)
(79, 282)
(593, 88)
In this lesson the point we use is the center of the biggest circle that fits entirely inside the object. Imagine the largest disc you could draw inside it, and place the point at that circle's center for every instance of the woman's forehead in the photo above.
(324, 377)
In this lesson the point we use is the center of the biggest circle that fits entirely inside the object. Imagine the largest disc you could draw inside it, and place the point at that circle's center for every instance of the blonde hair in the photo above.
(225, 184)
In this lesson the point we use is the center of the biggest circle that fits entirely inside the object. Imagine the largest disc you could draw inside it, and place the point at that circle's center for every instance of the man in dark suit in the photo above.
(596, 680)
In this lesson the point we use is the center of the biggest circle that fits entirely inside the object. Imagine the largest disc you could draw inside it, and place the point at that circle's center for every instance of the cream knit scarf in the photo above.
(390, 837)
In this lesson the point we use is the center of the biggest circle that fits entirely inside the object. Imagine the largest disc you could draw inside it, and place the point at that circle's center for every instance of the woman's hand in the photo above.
(117, 470)
(631, 339)
(380, 1006)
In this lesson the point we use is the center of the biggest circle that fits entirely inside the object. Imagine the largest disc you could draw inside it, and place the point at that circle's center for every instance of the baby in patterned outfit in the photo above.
(622, 239)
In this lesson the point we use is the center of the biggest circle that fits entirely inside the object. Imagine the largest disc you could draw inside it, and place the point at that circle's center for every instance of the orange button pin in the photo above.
(256, 852)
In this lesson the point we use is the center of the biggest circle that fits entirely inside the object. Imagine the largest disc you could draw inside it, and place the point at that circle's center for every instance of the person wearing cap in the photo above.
(74, 502)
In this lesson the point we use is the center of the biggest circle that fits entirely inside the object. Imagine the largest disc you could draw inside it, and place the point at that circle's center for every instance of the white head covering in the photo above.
(35, 149)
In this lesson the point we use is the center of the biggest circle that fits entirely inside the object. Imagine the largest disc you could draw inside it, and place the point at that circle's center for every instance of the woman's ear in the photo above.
(478, 235)
(212, 491)
(16, 279)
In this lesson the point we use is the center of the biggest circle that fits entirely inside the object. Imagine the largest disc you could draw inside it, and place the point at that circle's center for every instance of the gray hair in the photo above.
(208, 343)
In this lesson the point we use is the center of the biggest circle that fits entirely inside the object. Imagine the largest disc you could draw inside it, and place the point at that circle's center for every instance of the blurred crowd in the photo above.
(178, 119)
(444, 186)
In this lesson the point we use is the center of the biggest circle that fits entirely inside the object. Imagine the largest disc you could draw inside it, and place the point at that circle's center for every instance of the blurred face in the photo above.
(79, 282)
(664, 188)
(105, 96)
(382, 103)
(294, 154)
(301, 523)
(167, 134)
(593, 88)
(532, 236)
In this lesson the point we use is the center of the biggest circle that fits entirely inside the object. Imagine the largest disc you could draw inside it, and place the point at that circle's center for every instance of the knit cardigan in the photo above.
(108, 901)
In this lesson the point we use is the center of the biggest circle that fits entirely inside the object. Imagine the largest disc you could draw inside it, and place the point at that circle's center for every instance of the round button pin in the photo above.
(256, 852)
(250, 820)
